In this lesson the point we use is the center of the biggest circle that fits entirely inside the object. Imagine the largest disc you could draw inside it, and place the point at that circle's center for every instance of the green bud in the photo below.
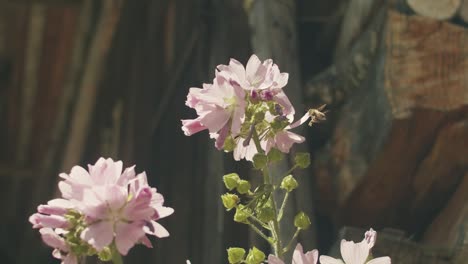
(235, 255)
(229, 144)
(230, 180)
(301, 221)
(255, 256)
(302, 160)
(260, 161)
(243, 186)
(259, 116)
(105, 254)
(289, 183)
(229, 200)
(266, 214)
(274, 155)
(242, 214)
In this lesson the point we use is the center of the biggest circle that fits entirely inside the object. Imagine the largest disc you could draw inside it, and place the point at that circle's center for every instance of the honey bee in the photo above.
(317, 115)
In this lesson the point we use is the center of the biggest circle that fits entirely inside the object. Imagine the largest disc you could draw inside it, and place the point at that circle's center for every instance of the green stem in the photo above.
(259, 232)
(283, 205)
(290, 170)
(116, 257)
(274, 224)
(288, 247)
(259, 222)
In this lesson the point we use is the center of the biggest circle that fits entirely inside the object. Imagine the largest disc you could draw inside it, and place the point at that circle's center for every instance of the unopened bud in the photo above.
(105, 254)
(289, 183)
(242, 214)
(274, 155)
(259, 116)
(243, 186)
(302, 160)
(255, 256)
(229, 144)
(260, 161)
(301, 221)
(266, 214)
(235, 255)
(230, 180)
(229, 200)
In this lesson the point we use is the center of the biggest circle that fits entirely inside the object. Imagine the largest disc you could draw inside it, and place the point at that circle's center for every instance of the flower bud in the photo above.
(243, 186)
(265, 214)
(301, 221)
(255, 256)
(302, 160)
(229, 144)
(230, 180)
(259, 116)
(105, 254)
(289, 183)
(260, 161)
(229, 200)
(235, 255)
(274, 155)
(242, 214)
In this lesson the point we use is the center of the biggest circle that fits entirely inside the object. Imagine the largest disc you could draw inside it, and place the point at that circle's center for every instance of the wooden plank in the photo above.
(88, 88)
(31, 76)
(426, 65)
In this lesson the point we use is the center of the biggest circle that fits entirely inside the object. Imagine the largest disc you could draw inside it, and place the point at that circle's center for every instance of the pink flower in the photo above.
(256, 74)
(51, 215)
(299, 257)
(61, 248)
(108, 205)
(123, 214)
(220, 107)
(357, 253)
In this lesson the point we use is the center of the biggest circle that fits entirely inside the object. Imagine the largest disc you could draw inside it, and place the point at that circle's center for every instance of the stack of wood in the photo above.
(398, 152)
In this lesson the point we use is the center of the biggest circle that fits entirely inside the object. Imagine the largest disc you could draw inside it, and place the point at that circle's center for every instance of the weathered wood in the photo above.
(88, 88)
(463, 11)
(385, 128)
(273, 25)
(425, 55)
(31, 76)
(438, 9)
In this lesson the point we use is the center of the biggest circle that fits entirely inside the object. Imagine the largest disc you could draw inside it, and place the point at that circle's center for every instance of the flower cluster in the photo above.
(245, 109)
(352, 253)
(103, 211)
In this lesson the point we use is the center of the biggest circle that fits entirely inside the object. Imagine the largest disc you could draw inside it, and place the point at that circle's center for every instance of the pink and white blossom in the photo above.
(357, 253)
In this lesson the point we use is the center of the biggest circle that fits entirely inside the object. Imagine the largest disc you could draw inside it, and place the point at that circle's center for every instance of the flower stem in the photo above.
(281, 211)
(116, 257)
(259, 232)
(286, 249)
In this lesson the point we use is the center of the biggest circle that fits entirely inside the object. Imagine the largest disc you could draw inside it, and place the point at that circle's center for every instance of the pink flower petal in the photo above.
(381, 260)
(370, 237)
(99, 234)
(274, 260)
(156, 229)
(52, 221)
(299, 257)
(145, 241)
(127, 235)
(52, 239)
(329, 260)
(192, 126)
(354, 253)
(252, 67)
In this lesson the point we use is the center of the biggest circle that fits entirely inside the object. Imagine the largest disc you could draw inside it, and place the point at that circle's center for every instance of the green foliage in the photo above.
(289, 183)
(260, 161)
(302, 221)
(235, 255)
(255, 256)
(230, 200)
(231, 180)
(302, 160)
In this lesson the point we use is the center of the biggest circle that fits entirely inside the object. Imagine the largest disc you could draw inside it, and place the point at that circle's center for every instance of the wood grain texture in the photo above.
(426, 65)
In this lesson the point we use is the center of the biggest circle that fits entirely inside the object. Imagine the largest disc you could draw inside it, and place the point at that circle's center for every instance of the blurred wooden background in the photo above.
(81, 79)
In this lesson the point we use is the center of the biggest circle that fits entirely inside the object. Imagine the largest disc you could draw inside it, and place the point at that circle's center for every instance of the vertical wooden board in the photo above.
(426, 66)
(17, 28)
(58, 39)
